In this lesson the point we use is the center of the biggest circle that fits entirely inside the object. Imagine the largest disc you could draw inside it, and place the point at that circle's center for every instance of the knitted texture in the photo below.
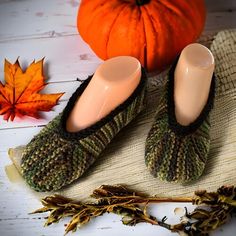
(123, 159)
(55, 158)
(173, 152)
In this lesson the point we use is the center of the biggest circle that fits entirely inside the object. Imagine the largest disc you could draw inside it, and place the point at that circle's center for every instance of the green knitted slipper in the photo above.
(55, 158)
(177, 153)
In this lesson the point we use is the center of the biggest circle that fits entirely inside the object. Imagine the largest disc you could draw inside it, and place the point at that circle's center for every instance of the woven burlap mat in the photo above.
(123, 160)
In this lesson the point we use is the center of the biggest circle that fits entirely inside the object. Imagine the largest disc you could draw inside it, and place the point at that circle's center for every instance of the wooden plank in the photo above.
(34, 29)
(27, 18)
(67, 87)
(217, 21)
(43, 14)
(27, 121)
(66, 58)
(17, 200)
(15, 137)
(220, 5)
(71, 57)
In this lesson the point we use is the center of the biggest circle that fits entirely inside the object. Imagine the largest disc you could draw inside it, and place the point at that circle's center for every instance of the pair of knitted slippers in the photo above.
(55, 157)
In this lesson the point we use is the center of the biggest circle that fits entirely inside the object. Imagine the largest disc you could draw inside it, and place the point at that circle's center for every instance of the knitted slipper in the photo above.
(177, 153)
(55, 158)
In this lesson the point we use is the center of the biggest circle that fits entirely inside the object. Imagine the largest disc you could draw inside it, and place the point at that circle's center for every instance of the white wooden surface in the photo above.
(33, 29)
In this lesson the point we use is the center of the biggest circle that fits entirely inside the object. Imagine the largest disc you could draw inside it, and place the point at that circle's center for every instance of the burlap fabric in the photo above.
(123, 160)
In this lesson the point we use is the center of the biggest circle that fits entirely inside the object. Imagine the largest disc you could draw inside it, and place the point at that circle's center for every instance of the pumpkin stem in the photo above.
(142, 2)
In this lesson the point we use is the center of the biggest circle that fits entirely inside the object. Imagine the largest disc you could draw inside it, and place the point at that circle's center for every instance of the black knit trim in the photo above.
(173, 123)
(96, 126)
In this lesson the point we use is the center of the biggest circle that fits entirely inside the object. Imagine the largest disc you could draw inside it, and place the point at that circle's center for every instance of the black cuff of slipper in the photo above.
(91, 129)
(173, 123)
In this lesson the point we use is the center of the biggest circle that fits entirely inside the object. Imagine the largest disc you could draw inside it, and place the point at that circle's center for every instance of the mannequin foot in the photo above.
(112, 83)
(192, 77)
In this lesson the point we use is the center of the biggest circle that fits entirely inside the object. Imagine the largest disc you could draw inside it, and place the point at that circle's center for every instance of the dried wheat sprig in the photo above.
(213, 210)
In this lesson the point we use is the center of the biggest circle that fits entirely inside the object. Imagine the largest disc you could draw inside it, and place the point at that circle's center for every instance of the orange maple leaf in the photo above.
(19, 96)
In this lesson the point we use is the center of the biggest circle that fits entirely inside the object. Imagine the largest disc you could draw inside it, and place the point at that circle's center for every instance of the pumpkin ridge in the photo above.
(155, 37)
(99, 14)
(135, 21)
(156, 33)
(171, 8)
(195, 10)
(92, 19)
(186, 14)
(145, 40)
(180, 13)
(112, 25)
(183, 15)
(168, 30)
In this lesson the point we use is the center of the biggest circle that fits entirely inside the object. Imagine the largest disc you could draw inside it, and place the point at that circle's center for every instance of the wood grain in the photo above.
(34, 29)
(29, 19)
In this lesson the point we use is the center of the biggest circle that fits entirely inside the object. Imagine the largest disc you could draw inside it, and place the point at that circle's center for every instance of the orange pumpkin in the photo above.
(153, 31)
